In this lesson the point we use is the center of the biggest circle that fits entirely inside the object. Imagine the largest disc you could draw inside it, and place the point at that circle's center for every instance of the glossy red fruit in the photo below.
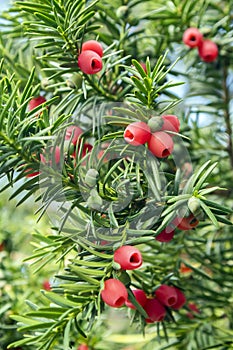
(36, 101)
(143, 66)
(192, 37)
(55, 154)
(140, 296)
(93, 45)
(87, 147)
(128, 257)
(208, 51)
(181, 299)
(31, 174)
(166, 295)
(161, 144)
(155, 310)
(89, 62)
(193, 307)
(137, 133)
(83, 347)
(186, 223)
(166, 235)
(114, 293)
(171, 123)
(74, 132)
(184, 269)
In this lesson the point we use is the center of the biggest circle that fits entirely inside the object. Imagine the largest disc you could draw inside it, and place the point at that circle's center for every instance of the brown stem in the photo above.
(226, 98)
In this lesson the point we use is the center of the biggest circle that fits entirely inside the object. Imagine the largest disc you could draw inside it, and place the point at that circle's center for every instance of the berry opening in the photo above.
(193, 38)
(119, 302)
(193, 222)
(171, 301)
(165, 152)
(135, 259)
(129, 135)
(96, 64)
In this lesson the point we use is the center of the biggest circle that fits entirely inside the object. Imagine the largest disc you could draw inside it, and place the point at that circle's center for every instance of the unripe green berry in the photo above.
(45, 83)
(133, 21)
(75, 81)
(94, 201)
(91, 176)
(155, 123)
(116, 266)
(194, 205)
(122, 12)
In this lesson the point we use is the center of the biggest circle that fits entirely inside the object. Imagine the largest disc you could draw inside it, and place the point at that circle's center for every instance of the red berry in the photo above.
(36, 101)
(93, 45)
(186, 223)
(89, 62)
(140, 296)
(55, 154)
(114, 293)
(166, 235)
(87, 147)
(155, 310)
(193, 307)
(171, 123)
(161, 144)
(190, 315)
(74, 132)
(137, 133)
(128, 257)
(185, 269)
(181, 300)
(29, 174)
(192, 37)
(83, 347)
(166, 295)
(46, 285)
(208, 51)
(143, 66)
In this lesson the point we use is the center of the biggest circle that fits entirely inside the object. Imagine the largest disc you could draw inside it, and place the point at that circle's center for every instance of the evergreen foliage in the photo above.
(103, 193)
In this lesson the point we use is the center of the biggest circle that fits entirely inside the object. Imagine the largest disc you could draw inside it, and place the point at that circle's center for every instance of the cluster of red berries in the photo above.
(90, 58)
(72, 137)
(160, 143)
(156, 307)
(207, 49)
(115, 293)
